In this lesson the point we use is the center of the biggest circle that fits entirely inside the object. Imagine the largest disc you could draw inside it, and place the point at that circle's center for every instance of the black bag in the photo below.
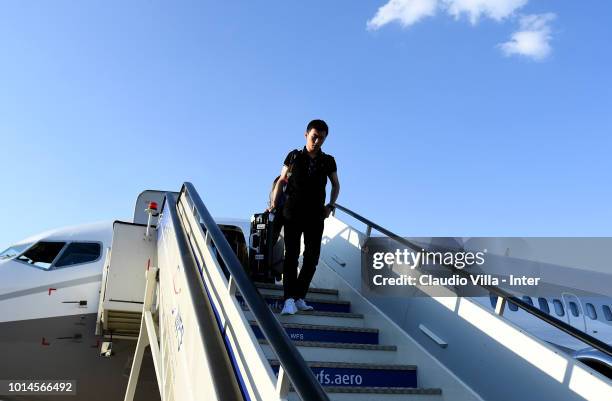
(264, 249)
(283, 195)
(282, 198)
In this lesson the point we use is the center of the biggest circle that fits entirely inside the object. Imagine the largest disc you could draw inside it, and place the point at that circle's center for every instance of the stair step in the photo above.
(327, 305)
(123, 326)
(124, 314)
(311, 289)
(316, 317)
(339, 352)
(322, 333)
(277, 289)
(132, 334)
(342, 374)
(347, 393)
(124, 320)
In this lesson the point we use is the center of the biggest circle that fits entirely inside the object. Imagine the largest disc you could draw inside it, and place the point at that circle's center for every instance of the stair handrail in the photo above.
(221, 370)
(301, 376)
(504, 295)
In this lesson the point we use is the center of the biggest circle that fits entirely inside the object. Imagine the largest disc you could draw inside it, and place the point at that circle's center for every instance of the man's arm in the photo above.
(335, 191)
(278, 187)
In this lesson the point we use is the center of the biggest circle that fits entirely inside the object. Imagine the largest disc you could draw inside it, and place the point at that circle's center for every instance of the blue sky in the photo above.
(438, 128)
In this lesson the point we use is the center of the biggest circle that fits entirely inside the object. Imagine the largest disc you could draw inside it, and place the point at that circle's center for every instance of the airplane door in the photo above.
(575, 313)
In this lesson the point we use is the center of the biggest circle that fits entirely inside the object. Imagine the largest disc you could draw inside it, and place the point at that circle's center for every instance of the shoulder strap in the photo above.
(294, 156)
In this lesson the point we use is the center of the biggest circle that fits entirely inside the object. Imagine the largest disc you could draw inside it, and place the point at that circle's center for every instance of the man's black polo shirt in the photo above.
(306, 186)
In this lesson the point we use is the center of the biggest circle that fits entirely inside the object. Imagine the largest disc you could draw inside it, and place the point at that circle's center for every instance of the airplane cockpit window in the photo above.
(607, 312)
(591, 311)
(559, 310)
(543, 305)
(528, 300)
(79, 252)
(13, 251)
(512, 306)
(574, 308)
(42, 254)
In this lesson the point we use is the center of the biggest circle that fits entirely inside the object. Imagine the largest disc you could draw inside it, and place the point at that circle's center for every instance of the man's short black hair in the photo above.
(319, 125)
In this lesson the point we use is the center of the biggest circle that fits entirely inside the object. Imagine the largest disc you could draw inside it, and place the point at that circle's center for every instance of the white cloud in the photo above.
(475, 9)
(533, 38)
(406, 12)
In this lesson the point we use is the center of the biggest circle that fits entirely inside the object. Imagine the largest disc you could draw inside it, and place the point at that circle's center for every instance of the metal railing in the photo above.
(503, 296)
(221, 369)
(303, 380)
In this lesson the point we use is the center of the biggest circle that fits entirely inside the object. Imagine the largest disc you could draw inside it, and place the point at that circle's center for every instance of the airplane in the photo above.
(50, 294)
(589, 314)
(50, 287)
(54, 274)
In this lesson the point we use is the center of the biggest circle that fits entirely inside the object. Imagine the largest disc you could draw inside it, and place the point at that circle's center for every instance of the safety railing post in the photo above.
(231, 286)
(282, 384)
(500, 306)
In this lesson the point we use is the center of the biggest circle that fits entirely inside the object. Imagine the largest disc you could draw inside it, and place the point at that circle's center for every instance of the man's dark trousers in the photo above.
(297, 286)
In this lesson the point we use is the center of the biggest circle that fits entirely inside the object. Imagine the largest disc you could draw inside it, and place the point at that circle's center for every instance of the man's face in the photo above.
(314, 139)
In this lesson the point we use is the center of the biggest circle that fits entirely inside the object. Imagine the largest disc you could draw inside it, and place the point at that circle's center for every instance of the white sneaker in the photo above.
(302, 305)
(289, 307)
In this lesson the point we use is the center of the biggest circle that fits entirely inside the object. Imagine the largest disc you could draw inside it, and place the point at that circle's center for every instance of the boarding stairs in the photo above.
(216, 335)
